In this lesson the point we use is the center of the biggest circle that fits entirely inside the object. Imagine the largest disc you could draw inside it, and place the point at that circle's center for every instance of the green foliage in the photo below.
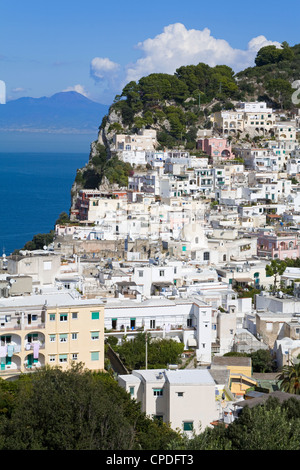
(275, 268)
(273, 55)
(115, 170)
(264, 427)
(161, 352)
(63, 218)
(262, 361)
(289, 378)
(39, 241)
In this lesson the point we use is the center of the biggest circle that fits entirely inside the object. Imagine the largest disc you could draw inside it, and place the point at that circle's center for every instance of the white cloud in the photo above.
(18, 90)
(177, 46)
(78, 88)
(103, 68)
(260, 41)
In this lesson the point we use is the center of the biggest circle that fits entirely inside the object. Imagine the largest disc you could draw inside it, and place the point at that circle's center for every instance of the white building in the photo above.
(183, 398)
(185, 320)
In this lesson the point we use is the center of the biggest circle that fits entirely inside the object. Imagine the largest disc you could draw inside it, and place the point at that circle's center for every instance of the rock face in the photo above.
(107, 131)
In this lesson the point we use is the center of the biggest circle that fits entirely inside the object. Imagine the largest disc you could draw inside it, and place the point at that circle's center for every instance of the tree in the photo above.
(289, 378)
(276, 268)
(264, 427)
(63, 218)
(262, 361)
(267, 55)
(160, 352)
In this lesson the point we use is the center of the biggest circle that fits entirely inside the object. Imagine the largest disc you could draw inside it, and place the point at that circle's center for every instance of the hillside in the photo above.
(178, 105)
(62, 112)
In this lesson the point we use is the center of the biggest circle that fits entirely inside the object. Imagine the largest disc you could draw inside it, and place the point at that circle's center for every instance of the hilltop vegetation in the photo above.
(178, 105)
(271, 78)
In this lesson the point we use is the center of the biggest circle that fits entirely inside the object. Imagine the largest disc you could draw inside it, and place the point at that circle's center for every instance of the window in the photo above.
(95, 315)
(52, 317)
(63, 338)
(52, 338)
(74, 315)
(63, 317)
(189, 322)
(180, 394)
(188, 426)
(114, 323)
(141, 273)
(63, 358)
(47, 265)
(131, 390)
(74, 357)
(152, 323)
(74, 336)
(158, 392)
(95, 335)
(161, 273)
(206, 256)
(95, 356)
(51, 358)
(132, 323)
(32, 337)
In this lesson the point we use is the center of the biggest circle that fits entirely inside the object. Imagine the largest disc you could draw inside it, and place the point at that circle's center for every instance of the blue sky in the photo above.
(96, 47)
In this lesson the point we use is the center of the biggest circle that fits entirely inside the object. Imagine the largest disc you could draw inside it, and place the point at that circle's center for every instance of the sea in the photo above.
(35, 187)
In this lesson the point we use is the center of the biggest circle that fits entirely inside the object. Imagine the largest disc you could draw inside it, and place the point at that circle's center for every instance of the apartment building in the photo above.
(251, 118)
(144, 140)
(185, 320)
(50, 329)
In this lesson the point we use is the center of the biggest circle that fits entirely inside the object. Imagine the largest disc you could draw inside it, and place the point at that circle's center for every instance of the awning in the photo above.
(162, 284)
(244, 279)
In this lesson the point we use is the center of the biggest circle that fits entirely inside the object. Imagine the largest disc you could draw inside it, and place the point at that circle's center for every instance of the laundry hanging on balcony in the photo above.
(3, 351)
(36, 348)
(10, 350)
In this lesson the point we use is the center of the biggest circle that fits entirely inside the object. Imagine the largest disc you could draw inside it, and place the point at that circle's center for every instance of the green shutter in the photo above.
(95, 356)
(95, 315)
(188, 426)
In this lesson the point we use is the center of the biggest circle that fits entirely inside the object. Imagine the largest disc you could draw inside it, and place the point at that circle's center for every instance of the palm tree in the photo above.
(289, 379)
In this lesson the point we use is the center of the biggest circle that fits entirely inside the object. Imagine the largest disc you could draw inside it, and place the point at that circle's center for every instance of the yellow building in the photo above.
(55, 329)
(240, 372)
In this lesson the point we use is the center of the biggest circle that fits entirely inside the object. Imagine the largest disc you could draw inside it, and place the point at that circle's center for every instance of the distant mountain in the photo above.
(63, 112)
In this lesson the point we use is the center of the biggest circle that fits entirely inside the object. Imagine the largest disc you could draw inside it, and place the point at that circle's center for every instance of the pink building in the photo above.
(278, 246)
(216, 147)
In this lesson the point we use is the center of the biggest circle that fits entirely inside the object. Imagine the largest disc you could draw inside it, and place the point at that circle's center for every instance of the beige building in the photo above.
(246, 118)
(50, 329)
(184, 398)
(144, 140)
(41, 266)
